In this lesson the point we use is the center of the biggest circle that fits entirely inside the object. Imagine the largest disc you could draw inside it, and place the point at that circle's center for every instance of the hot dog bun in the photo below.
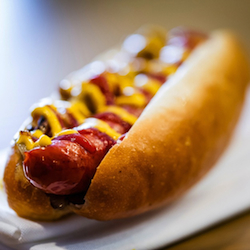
(177, 139)
(27, 201)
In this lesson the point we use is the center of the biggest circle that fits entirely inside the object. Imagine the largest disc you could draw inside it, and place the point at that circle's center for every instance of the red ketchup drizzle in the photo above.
(147, 95)
(72, 122)
(69, 163)
(102, 83)
(157, 76)
(133, 110)
(186, 38)
(80, 139)
(114, 122)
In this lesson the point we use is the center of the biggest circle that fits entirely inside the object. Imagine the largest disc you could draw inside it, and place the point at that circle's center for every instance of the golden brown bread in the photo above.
(27, 201)
(176, 140)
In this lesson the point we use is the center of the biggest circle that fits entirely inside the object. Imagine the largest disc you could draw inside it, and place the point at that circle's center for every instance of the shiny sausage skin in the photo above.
(68, 164)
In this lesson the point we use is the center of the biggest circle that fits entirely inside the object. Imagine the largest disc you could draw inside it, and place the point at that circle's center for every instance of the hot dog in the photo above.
(136, 135)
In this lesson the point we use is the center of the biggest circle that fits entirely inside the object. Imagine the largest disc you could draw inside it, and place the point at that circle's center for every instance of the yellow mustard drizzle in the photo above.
(125, 115)
(65, 88)
(67, 91)
(95, 94)
(105, 128)
(67, 132)
(25, 138)
(37, 133)
(152, 86)
(169, 70)
(125, 81)
(136, 99)
(50, 116)
(101, 126)
(153, 46)
(79, 110)
(119, 81)
(112, 80)
(43, 141)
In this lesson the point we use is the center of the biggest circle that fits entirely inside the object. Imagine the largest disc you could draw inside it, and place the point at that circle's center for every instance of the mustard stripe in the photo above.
(43, 141)
(137, 100)
(50, 116)
(124, 114)
(101, 126)
(67, 132)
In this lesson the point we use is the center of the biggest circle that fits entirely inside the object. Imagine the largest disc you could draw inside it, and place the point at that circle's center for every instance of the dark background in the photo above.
(41, 41)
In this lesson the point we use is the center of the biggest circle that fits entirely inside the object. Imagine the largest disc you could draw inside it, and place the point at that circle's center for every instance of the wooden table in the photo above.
(233, 234)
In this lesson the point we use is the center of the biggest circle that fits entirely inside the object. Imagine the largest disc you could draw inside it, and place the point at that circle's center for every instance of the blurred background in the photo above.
(43, 41)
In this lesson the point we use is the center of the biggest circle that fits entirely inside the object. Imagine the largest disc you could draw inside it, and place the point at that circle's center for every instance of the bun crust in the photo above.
(177, 139)
(26, 200)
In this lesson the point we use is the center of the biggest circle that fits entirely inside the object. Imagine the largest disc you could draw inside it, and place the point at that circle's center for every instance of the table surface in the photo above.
(233, 234)
(43, 41)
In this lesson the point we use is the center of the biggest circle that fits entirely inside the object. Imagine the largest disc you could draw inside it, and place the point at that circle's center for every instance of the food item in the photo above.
(100, 153)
